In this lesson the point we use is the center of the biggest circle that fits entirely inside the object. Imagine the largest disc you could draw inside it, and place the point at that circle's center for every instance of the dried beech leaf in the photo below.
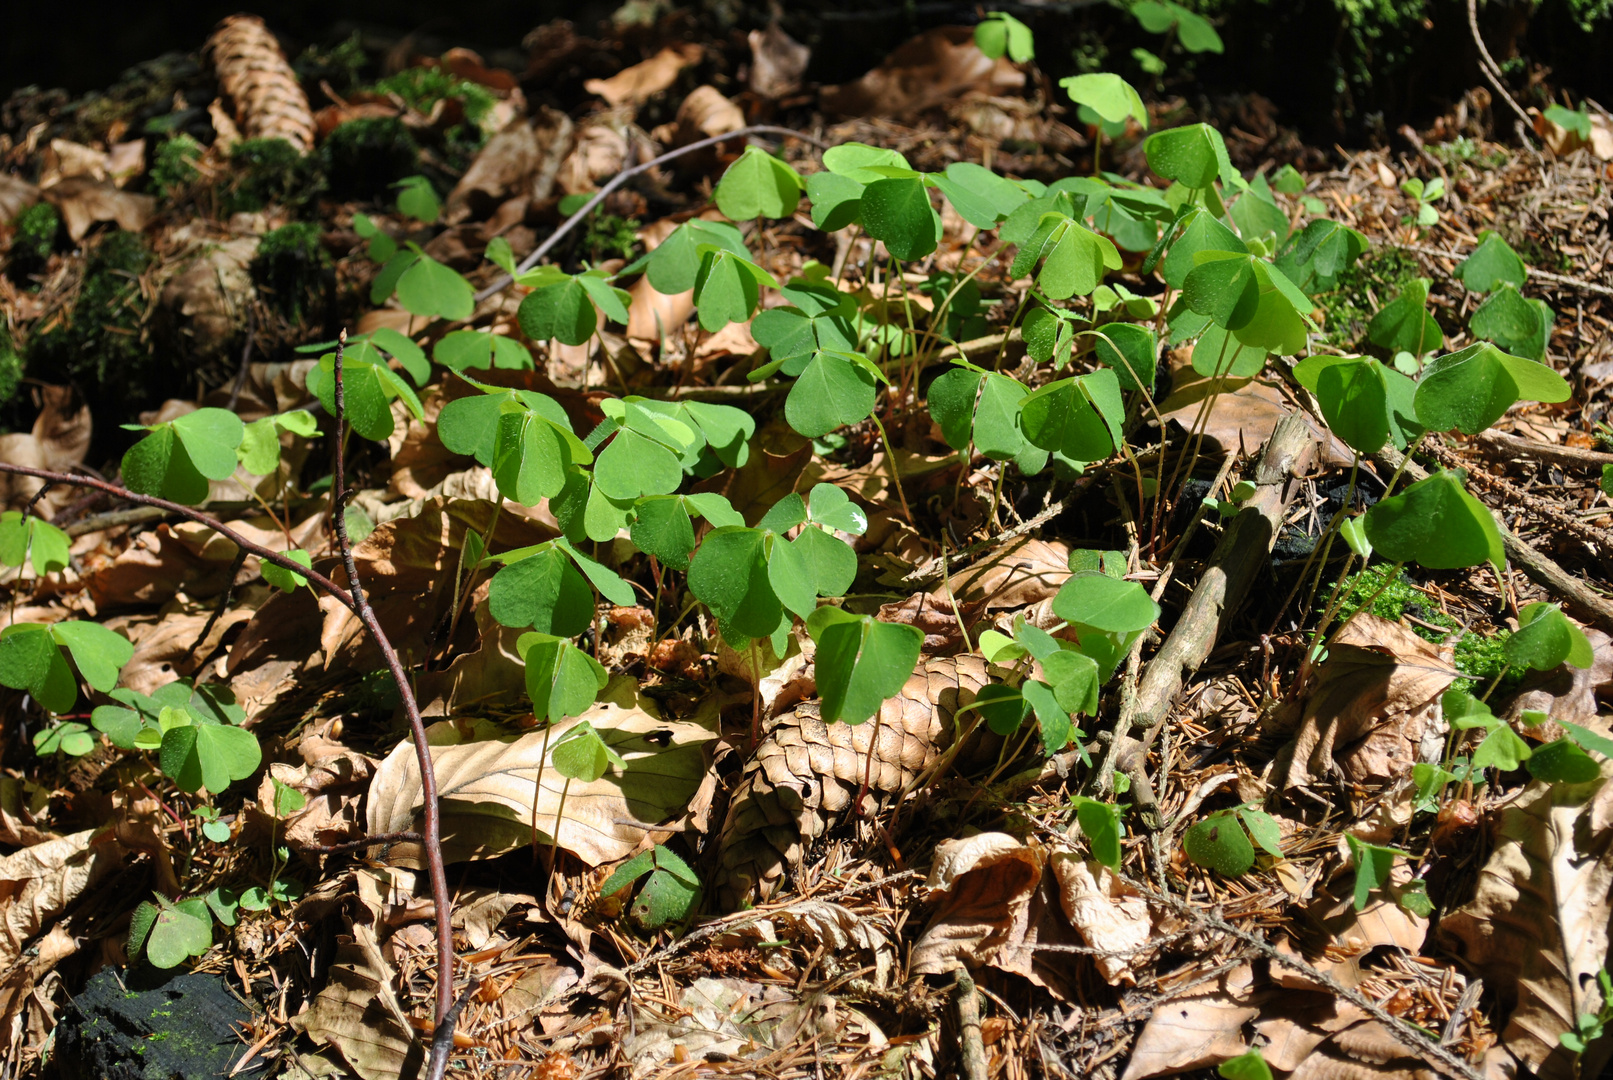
(1108, 914)
(778, 62)
(924, 71)
(635, 85)
(37, 883)
(488, 796)
(1195, 1031)
(1375, 703)
(358, 1013)
(1537, 927)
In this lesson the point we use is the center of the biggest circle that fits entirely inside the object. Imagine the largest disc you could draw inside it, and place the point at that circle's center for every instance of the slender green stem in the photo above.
(1389, 488)
(896, 476)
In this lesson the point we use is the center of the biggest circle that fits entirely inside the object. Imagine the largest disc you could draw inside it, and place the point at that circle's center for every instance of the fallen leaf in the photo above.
(924, 71)
(703, 114)
(637, 84)
(494, 798)
(37, 883)
(16, 195)
(1108, 914)
(84, 201)
(601, 152)
(1242, 417)
(778, 62)
(1537, 927)
(358, 1013)
(1199, 1029)
(1374, 712)
(520, 160)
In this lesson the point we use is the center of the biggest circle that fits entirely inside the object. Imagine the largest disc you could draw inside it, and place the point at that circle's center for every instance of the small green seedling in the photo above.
(668, 895)
(198, 753)
(1577, 122)
(212, 828)
(861, 662)
(418, 199)
(168, 933)
(999, 33)
(32, 540)
(1221, 841)
(1373, 866)
(1588, 1027)
(1492, 264)
(1546, 638)
(178, 458)
(1502, 748)
(68, 737)
(1436, 524)
(1100, 824)
(1165, 17)
(1423, 197)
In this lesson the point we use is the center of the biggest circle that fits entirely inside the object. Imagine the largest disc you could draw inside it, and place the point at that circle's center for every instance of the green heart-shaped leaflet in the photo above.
(34, 540)
(198, 755)
(897, 211)
(179, 457)
(1470, 389)
(1078, 417)
(1108, 95)
(860, 662)
(1492, 264)
(1404, 325)
(1545, 638)
(561, 679)
(539, 587)
(1436, 524)
(758, 185)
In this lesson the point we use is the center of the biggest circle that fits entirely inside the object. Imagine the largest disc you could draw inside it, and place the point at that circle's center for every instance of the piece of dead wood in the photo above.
(1243, 549)
(1585, 602)
(1503, 445)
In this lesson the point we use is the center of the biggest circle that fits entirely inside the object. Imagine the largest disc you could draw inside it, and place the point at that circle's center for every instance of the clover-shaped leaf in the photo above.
(980, 196)
(1193, 155)
(179, 457)
(897, 211)
(1077, 417)
(663, 526)
(980, 406)
(1192, 30)
(541, 588)
(461, 349)
(567, 310)
(1074, 258)
(1108, 95)
(68, 737)
(667, 896)
(1404, 324)
(727, 288)
(1106, 604)
(32, 540)
(1470, 389)
(1563, 762)
(729, 574)
(169, 933)
(1131, 351)
(1436, 524)
(417, 199)
(860, 662)
(368, 390)
(1219, 843)
(283, 579)
(1100, 824)
(562, 680)
(675, 263)
(1517, 324)
(999, 33)
(1492, 264)
(834, 389)
(1546, 638)
(583, 754)
(1322, 251)
(758, 185)
(1364, 403)
(205, 755)
(429, 289)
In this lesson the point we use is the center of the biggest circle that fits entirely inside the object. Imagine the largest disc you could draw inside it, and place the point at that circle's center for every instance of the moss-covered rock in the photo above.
(290, 270)
(265, 171)
(364, 158)
(35, 238)
(98, 343)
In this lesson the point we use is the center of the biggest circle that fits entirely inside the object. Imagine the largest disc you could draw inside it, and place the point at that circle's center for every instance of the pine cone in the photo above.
(805, 773)
(269, 103)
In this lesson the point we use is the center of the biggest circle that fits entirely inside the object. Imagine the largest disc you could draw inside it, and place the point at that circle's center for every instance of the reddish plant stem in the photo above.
(431, 831)
(354, 601)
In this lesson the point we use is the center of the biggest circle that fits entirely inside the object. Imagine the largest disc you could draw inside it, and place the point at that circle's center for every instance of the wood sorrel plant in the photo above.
(1236, 284)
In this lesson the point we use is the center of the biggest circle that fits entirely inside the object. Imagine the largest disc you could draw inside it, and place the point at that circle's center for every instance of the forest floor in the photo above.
(955, 922)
